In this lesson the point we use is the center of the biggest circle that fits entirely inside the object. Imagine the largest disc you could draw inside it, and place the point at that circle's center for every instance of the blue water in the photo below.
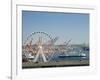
(69, 58)
(66, 58)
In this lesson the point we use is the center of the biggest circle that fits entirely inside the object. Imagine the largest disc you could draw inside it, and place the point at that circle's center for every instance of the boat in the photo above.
(72, 54)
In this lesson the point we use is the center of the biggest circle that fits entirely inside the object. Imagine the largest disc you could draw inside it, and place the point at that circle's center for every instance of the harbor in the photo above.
(55, 39)
(42, 54)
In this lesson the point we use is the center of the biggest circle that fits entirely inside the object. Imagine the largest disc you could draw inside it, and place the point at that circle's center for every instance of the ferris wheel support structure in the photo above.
(44, 49)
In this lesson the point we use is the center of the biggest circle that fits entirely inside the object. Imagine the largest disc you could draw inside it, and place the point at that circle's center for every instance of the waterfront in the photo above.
(61, 59)
(55, 39)
(56, 64)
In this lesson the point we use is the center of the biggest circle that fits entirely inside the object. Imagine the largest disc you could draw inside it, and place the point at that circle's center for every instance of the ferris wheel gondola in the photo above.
(37, 44)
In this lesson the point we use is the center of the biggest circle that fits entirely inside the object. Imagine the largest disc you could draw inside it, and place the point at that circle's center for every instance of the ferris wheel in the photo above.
(39, 45)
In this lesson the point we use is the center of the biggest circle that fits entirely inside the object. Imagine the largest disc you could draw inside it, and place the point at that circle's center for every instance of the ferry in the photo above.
(72, 54)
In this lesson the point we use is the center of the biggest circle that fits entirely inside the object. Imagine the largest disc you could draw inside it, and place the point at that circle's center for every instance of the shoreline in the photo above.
(27, 65)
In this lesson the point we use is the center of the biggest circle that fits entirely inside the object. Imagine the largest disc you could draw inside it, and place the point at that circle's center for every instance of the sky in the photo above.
(66, 26)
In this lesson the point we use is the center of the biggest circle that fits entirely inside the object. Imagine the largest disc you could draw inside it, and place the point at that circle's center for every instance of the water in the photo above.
(66, 58)
(69, 58)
